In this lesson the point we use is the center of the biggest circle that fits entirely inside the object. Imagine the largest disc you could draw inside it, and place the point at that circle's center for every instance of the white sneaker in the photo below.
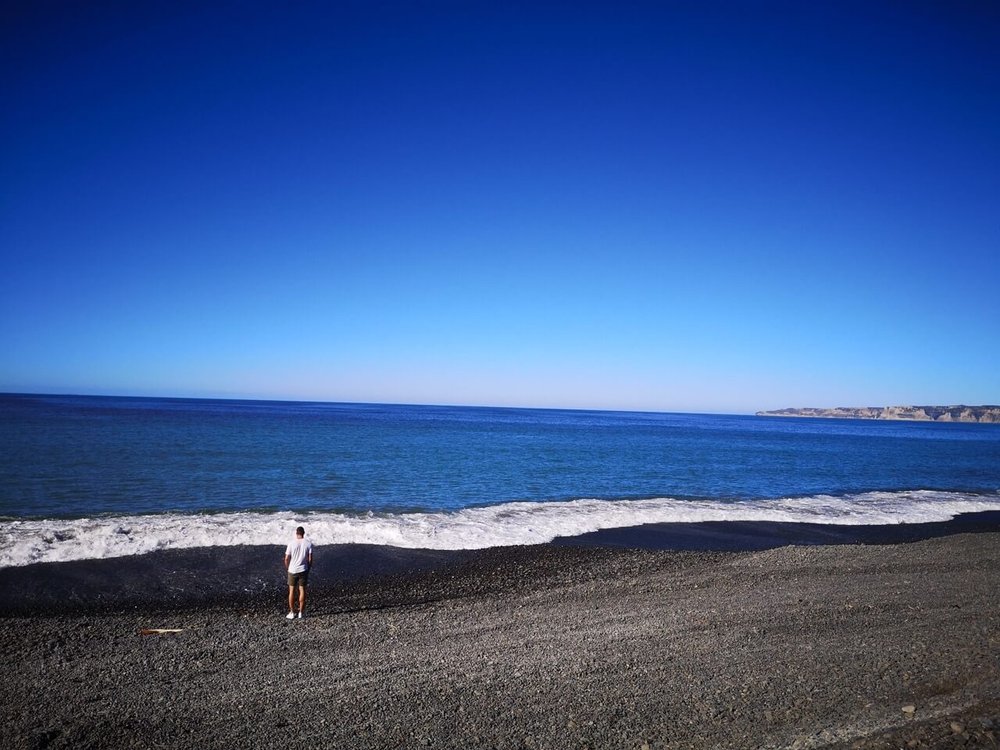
(300, 615)
(290, 616)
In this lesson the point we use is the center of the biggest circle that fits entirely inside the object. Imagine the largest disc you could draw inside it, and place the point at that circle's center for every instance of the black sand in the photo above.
(555, 646)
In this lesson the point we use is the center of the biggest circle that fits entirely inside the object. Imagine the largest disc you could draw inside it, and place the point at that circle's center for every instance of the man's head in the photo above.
(300, 532)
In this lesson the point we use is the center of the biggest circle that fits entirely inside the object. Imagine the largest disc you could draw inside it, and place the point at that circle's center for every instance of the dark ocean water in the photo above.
(458, 476)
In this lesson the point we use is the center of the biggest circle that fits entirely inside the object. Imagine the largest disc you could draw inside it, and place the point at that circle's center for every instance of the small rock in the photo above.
(957, 728)
(909, 709)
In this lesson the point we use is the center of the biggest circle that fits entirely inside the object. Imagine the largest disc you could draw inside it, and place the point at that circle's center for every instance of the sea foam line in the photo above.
(23, 542)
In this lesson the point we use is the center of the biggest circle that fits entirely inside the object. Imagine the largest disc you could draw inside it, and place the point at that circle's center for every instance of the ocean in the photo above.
(93, 477)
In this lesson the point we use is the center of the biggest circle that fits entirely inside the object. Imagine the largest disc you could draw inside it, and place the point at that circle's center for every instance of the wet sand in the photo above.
(550, 646)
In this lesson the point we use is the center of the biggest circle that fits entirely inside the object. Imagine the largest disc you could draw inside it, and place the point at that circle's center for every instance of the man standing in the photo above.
(298, 561)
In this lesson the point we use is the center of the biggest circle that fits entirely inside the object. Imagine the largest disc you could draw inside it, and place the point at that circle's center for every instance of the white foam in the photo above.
(23, 542)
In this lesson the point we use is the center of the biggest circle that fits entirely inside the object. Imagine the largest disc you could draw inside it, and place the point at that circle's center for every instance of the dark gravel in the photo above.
(533, 647)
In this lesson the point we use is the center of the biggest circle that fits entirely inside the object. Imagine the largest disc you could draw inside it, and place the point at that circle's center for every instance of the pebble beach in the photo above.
(546, 646)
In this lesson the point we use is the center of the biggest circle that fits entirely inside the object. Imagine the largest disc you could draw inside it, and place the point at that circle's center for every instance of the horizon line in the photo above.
(290, 400)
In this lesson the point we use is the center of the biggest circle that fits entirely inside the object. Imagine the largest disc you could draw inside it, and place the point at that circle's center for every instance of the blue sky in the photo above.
(701, 206)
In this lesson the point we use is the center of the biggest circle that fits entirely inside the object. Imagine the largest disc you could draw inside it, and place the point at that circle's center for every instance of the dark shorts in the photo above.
(298, 579)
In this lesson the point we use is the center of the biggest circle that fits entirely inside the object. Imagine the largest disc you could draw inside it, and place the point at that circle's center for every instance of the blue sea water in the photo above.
(98, 476)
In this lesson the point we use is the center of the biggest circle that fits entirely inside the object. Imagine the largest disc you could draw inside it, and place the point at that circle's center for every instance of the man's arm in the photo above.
(288, 559)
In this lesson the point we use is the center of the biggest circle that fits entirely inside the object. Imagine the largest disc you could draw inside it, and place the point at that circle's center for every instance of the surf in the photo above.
(28, 541)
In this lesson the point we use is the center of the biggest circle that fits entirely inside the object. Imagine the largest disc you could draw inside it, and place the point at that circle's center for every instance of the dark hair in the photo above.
(300, 531)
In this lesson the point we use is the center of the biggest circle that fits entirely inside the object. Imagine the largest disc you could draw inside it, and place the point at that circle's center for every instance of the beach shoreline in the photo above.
(254, 575)
(558, 645)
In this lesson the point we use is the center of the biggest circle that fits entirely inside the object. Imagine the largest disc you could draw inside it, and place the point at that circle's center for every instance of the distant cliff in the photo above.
(913, 413)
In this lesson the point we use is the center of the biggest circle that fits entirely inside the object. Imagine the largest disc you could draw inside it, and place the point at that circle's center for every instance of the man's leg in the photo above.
(291, 598)
(302, 598)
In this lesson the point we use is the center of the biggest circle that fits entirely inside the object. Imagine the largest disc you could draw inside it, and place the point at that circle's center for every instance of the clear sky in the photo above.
(704, 206)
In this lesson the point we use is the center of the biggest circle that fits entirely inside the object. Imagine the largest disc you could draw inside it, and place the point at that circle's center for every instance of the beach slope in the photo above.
(543, 647)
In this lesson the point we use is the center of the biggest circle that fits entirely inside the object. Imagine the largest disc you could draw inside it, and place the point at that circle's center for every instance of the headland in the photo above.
(959, 413)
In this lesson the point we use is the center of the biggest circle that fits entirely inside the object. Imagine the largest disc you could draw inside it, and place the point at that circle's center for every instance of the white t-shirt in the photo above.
(298, 551)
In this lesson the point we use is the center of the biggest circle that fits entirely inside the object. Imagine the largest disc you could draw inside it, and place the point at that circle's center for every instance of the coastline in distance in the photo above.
(959, 413)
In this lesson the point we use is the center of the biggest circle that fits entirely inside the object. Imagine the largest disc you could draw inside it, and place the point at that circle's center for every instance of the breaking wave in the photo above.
(23, 541)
